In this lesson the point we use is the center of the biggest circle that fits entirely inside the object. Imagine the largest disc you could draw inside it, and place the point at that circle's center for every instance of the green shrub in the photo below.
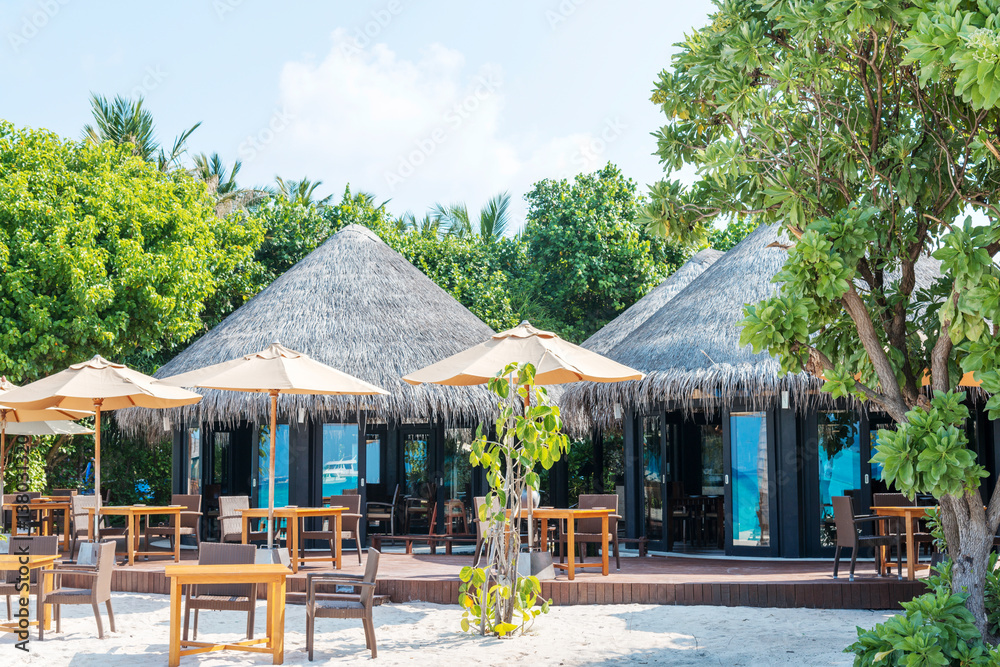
(936, 629)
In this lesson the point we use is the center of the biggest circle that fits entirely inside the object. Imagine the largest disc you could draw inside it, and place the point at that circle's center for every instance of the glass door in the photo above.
(655, 475)
(340, 459)
(749, 502)
(280, 466)
(419, 488)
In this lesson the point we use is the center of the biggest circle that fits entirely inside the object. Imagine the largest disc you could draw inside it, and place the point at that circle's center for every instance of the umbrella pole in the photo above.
(270, 475)
(3, 452)
(529, 494)
(97, 468)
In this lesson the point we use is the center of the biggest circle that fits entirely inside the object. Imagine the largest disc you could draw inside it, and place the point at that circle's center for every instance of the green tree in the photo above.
(867, 129)
(588, 253)
(101, 252)
(300, 192)
(125, 122)
(492, 225)
(221, 182)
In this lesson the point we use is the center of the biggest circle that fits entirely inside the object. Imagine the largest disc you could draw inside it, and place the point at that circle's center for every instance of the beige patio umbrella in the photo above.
(276, 370)
(97, 385)
(10, 415)
(556, 361)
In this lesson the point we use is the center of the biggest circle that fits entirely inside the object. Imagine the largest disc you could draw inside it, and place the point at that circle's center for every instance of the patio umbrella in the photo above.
(48, 428)
(556, 361)
(100, 385)
(276, 370)
(10, 415)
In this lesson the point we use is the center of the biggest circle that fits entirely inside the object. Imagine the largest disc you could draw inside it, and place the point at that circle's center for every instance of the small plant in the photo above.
(495, 599)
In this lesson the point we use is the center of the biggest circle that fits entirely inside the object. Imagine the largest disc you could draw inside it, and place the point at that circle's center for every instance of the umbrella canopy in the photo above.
(276, 370)
(48, 428)
(556, 361)
(97, 384)
(9, 415)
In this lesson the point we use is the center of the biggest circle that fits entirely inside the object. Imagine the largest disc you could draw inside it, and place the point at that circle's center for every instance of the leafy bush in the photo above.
(936, 629)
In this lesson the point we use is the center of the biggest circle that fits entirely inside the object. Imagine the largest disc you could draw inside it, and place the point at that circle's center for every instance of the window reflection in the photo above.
(280, 466)
(340, 459)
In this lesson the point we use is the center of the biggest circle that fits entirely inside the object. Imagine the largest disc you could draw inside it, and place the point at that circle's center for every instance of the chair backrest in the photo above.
(191, 503)
(231, 521)
(79, 506)
(212, 553)
(371, 571)
(891, 500)
(63, 492)
(843, 517)
(351, 501)
(395, 496)
(349, 492)
(478, 502)
(47, 545)
(592, 500)
(105, 565)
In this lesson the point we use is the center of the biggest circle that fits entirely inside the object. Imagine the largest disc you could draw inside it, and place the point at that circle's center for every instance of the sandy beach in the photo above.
(420, 633)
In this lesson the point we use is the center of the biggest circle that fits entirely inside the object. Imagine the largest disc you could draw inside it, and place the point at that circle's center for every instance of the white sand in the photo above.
(425, 634)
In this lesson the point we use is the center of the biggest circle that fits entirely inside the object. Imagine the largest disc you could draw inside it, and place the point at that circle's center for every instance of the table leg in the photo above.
(604, 546)
(46, 583)
(177, 537)
(66, 520)
(175, 622)
(269, 629)
(571, 547)
(339, 524)
(292, 528)
(90, 524)
(911, 560)
(246, 525)
(278, 625)
(133, 530)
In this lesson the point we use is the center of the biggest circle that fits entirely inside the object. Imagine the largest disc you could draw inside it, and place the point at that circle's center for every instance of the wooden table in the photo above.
(570, 516)
(271, 574)
(293, 517)
(132, 514)
(909, 514)
(13, 562)
(47, 508)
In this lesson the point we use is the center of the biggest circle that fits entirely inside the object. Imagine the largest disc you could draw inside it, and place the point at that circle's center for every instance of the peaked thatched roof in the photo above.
(689, 349)
(619, 328)
(354, 304)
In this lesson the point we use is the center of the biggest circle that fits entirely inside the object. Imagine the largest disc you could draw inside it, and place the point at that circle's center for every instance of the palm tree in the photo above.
(429, 224)
(126, 122)
(221, 182)
(300, 192)
(492, 225)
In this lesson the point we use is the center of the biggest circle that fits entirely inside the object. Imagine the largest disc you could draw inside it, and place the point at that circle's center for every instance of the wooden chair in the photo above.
(849, 535)
(377, 511)
(78, 522)
(341, 605)
(231, 521)
(454, 511)
(588, 531)
(36, 546)
(98, 571)
(9, 518)
(190, 518)
(222, 597)
(349, 526)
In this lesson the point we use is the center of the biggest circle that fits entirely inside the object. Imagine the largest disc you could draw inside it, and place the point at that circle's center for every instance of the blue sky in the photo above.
(416, 102)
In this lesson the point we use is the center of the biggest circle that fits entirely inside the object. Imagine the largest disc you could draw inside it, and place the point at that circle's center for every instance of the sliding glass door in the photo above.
(749, 484)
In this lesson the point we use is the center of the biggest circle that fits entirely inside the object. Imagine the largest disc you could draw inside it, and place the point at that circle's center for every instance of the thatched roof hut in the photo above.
(354, 304)
(689, 349)
(618, 329)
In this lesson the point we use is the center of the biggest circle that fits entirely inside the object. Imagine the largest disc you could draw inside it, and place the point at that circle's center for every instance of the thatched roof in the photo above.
(618, 329)
(354, 304)
(689, 349)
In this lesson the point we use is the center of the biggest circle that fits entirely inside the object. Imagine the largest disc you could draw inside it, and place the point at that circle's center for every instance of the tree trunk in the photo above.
(969, 542)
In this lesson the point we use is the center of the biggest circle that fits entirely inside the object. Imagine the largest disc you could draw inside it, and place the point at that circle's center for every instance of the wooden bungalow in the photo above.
(359, 306)
(721, 451)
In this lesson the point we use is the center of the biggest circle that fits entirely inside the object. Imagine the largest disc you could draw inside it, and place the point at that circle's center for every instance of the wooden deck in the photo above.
(653, 580)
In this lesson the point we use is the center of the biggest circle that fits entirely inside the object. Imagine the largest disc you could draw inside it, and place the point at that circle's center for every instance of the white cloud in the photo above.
(416, 131)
